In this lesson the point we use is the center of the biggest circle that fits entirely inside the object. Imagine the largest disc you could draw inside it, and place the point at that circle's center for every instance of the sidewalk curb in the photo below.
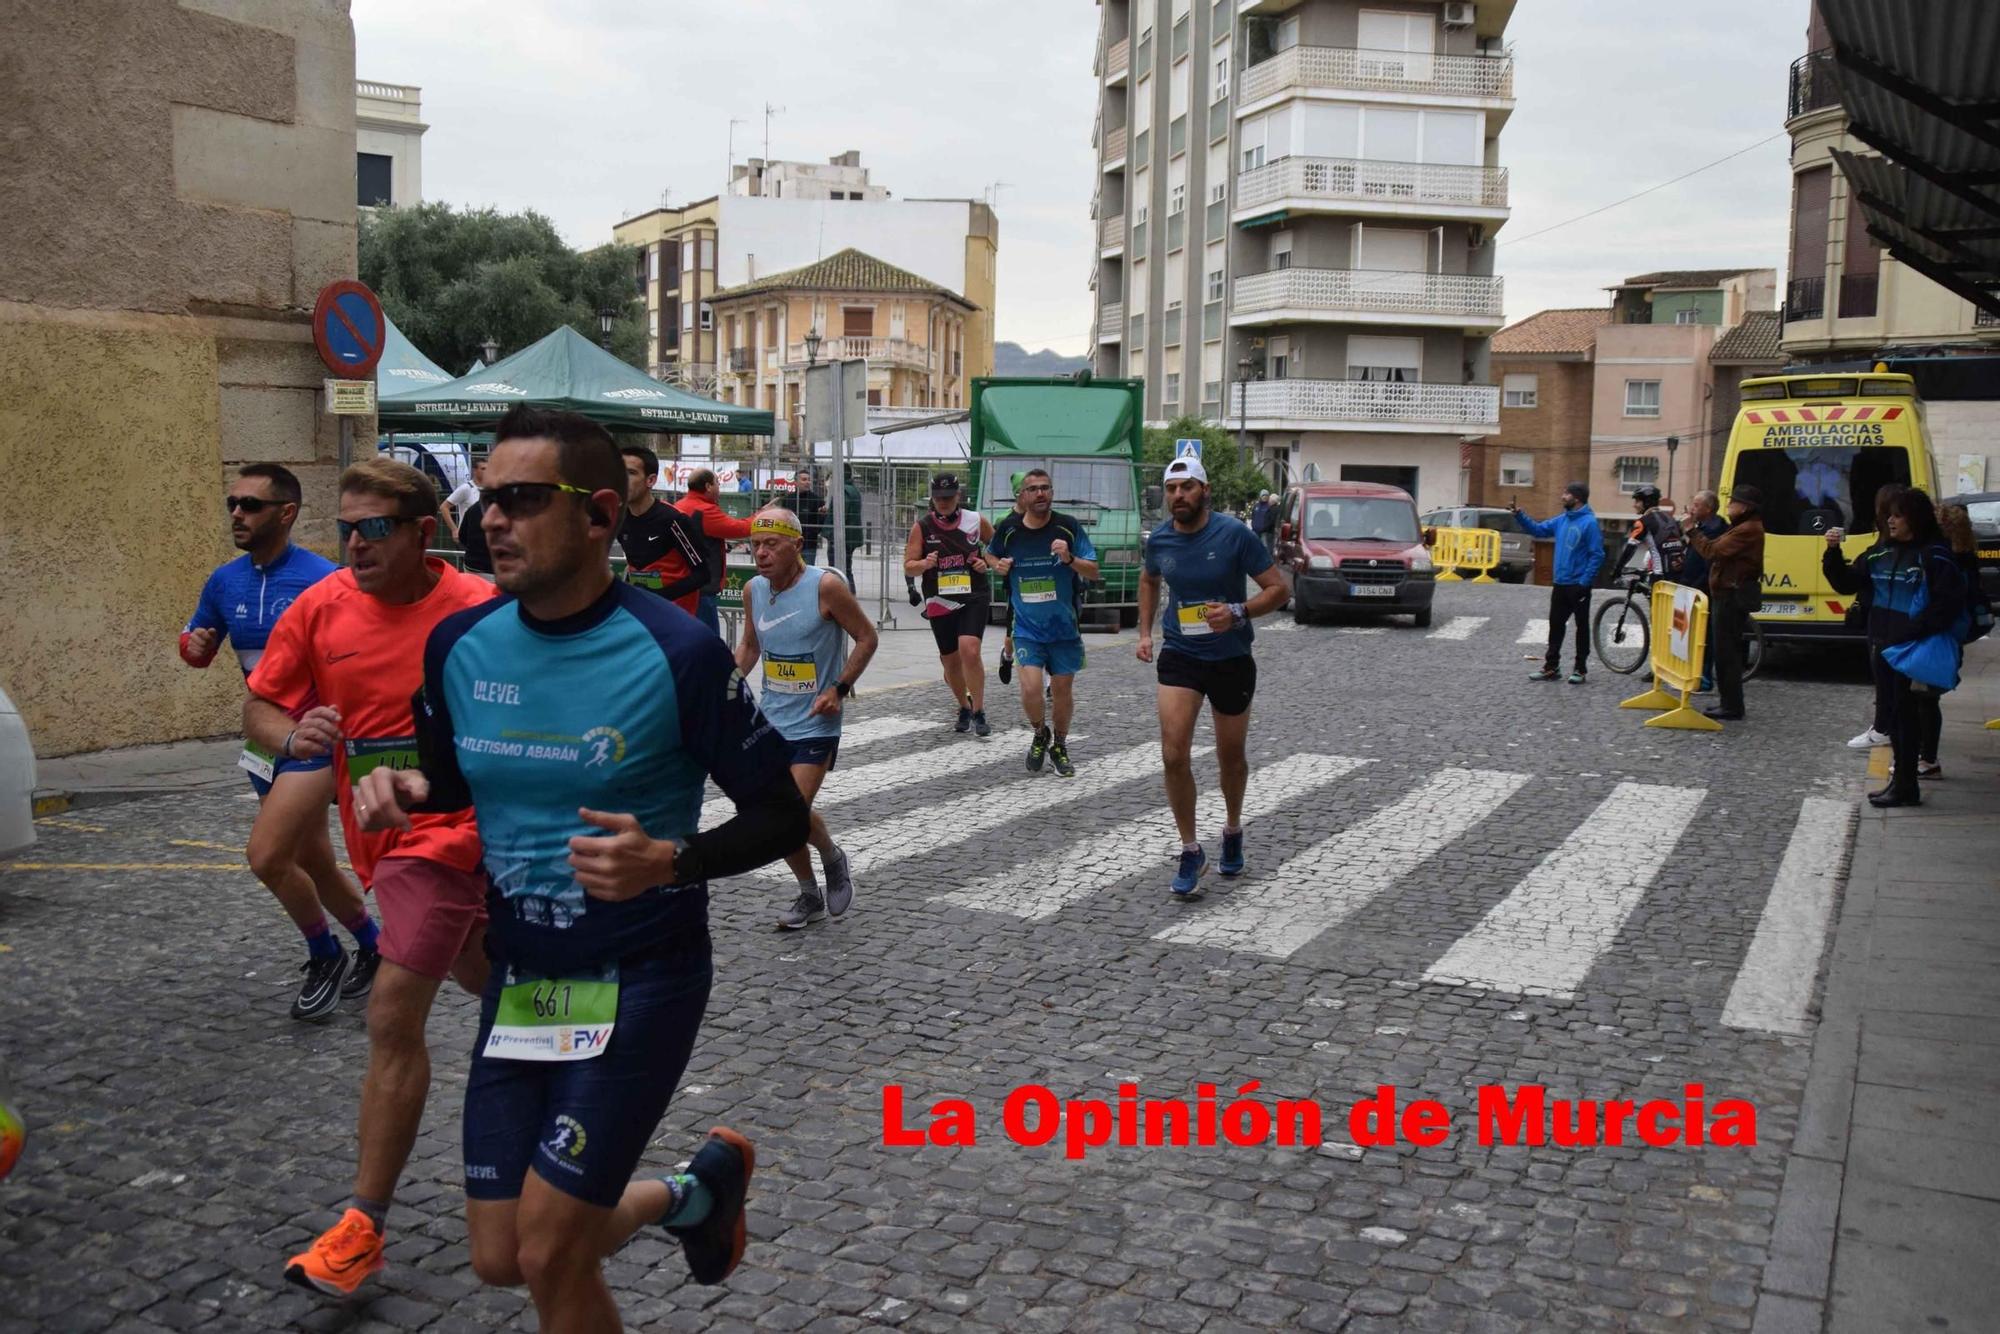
(50, 801)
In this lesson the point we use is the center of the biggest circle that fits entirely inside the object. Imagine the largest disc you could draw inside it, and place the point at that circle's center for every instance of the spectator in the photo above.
(857, 532)
(1853, 581)
(1735, 589)
(1703, 516)
(1579, 552)
(1956, 525)
(703, 500)
(1264, 518)
(464, 496)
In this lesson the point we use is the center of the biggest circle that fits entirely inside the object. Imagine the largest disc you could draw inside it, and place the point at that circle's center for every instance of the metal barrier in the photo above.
(1676, 659)
(1454, 549)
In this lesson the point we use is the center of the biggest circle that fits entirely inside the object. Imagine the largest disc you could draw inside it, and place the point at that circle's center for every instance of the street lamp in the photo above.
(812, 348)
(1673, 443)
(1243, 366)
(489, 351)
(606, 317)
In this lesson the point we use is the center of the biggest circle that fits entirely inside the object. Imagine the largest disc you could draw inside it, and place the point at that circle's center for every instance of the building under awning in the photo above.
(1920, 84)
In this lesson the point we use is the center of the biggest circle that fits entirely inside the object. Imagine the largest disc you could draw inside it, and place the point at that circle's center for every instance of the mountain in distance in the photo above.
(1013, 359)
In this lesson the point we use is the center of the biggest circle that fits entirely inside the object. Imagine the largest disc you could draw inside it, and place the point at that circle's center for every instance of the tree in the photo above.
(452, 278)
(1233, 477)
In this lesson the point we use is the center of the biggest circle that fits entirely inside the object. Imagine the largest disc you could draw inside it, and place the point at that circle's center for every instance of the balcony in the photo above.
(1371, 186)
(1366, 405)
(1805, 299)
(1111, 235)
(1811, 87)
(1342, 69)
(1114, 149)
(1118, 60)
(878, 351)
(742, 359)
(1111, 323)
(1367, 296)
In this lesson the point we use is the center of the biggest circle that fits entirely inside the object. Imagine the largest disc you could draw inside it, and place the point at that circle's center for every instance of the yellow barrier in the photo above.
(1466, 548)
(1677, 612)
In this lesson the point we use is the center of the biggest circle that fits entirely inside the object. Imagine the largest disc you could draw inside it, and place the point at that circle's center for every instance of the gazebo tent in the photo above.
(403, 369)
(568, 371)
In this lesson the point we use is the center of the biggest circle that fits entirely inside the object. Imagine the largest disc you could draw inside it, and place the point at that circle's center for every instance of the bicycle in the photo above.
(1621, 630)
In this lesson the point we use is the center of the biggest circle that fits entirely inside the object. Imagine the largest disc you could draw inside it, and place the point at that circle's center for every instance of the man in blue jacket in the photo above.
(1579, 555)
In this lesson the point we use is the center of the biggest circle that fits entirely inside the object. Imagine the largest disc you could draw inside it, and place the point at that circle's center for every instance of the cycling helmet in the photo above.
(1648, 496)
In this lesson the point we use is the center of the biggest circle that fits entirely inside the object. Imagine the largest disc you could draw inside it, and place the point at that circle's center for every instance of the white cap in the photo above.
(1185, 469)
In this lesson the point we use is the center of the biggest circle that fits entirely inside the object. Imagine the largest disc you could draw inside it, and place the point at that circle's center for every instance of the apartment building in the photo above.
(839, 177)
(1544, 365)
(388, 144)
(1296, 211)
(677, 265)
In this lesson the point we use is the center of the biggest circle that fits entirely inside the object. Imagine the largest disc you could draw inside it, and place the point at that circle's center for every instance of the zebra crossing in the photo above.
(1455, 629)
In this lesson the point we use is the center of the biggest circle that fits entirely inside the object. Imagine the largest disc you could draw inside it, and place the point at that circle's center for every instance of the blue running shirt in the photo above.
(244, 600)
(1212, 565)
(1041, 588)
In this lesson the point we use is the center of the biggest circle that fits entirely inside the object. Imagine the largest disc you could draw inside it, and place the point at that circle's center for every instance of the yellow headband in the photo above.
(770, 525)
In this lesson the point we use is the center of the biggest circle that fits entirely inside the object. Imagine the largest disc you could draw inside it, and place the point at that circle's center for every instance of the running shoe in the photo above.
(839, 883)
(1577, 678)
(1059, 757)
(1546, 674)
(1006, 666)
(1038, 749)
(964, 723)
(345, 1253)
(1232, 853)
(361, 977)
(319, 994)
(980, 727)
(714, 1246)
(1193, 866)
(1868, 740)
(806, 909)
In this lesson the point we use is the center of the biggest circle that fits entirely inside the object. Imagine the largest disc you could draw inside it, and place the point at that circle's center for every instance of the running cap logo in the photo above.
(770, 524)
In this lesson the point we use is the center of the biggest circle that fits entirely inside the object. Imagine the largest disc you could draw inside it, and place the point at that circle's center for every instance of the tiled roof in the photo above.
(847, 270)
(1553, 332)
(1756, 339)
(1683, 278)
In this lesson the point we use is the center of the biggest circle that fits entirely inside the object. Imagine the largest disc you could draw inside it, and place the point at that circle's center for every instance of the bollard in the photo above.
(1678, 613)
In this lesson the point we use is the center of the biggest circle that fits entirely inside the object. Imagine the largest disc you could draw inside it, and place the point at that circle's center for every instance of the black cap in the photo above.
(1748, 496)
(1581, 490)
(944, 484)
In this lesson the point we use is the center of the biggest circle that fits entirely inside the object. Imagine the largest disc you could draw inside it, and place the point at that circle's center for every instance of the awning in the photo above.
(403, 369)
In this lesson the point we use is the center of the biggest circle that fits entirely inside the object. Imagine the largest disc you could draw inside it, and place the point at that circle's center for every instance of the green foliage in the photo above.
(450, 279)
(1233, 477)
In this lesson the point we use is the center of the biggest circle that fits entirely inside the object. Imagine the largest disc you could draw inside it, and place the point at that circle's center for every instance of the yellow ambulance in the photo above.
(1819, 446)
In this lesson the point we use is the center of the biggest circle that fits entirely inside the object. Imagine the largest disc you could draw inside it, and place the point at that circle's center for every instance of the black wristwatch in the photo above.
(843, 689)
(687, 862)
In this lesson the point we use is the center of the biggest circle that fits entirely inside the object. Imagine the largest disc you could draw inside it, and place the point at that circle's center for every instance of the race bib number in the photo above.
(647, 579)
(958, 584)
(1038, 590)
(365, 754)
(1193, 618)
(257, 761)
(554, 1018)
(791, 676)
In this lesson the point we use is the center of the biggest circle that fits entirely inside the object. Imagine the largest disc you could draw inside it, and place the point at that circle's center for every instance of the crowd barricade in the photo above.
(1456, 549)
(1679, 642)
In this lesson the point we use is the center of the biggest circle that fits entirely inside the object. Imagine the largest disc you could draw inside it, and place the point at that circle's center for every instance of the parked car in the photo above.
(1983, 508)
(17, 782)
(1517, 549)
(1353, 546)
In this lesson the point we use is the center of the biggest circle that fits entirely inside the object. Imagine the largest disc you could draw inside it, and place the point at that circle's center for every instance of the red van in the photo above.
(1353, 547)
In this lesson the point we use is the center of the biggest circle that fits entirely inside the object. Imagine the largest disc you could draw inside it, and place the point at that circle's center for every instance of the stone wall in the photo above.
(182, 187)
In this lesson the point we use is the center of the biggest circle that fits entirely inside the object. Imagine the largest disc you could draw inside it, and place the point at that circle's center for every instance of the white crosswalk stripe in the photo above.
(1340, 875)
(853, 736)
(1458, 627)
(1773, 988)
(1362, 629)
(1543, 937)
(1536, 631)
(1051, 882)
(931, 831)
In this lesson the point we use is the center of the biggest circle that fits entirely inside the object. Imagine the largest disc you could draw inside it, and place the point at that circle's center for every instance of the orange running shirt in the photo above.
(338, 646)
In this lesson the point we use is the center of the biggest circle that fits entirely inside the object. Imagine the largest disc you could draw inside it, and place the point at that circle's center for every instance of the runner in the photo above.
(1203, 557)
(1007, 643)
(599, 898)
(289, 849)
(1046, 557)
(663, 547)
(800, 618)
(704, 504)
(944, 549)
(345, 661)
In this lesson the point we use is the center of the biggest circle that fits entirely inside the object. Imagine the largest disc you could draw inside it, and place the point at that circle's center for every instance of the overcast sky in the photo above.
(587, 111)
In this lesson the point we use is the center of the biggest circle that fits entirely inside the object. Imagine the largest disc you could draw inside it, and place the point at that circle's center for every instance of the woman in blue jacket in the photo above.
(1579, 555)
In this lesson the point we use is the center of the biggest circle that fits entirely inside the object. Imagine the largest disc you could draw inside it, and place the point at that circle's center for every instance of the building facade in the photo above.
(1546, 376)
(1748, 350)
(911, 331)
(388, 144)
(841, 177)
(677, 257)
(1302, 195)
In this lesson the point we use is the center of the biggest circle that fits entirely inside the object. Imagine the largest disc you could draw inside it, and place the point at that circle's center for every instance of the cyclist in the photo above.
(1656, 536)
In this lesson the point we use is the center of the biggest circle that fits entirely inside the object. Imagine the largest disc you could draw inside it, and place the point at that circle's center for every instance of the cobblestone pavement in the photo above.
(1457, 878)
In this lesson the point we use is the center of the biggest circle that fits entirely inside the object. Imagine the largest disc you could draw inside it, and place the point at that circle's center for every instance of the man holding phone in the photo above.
(1579, 553)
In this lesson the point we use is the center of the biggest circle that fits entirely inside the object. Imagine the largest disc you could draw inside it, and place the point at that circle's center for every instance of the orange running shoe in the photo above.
(345, 1253)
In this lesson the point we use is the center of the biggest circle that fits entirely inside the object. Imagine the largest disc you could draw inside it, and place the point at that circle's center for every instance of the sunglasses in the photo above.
(249, 504)
(524, 500)
(376, 529)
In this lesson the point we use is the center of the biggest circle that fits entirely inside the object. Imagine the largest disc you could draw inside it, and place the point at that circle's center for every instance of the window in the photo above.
(1220, 88)
(1172, 393)
(1142, 106)
(1177, 199)
(653, 323)
(1288, 32)
(1635, 471)
(1281, 250)
(1214, 285)
(1642, 398)
(857, 322)
(708, 253)
(1517, 470)
(1687, 317)
(687, 254)
(1519, 391)
(1806, 491)
(653, 264)
(874, 398)
(1860, 265)
(372, 172)
(1387, 360)
(687, 318)
(1278, 359)
(707, 317)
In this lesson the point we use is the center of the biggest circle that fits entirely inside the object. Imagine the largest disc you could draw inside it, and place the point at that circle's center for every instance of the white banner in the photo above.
(1678, 639)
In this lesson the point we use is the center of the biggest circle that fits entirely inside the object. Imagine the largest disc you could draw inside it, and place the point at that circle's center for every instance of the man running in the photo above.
(663, 547)
(1046, 557)
(799, 619)
(588, 784)
(345, 661)
(1202, 558)
(289, 849)
(943, 549)
(703, 502)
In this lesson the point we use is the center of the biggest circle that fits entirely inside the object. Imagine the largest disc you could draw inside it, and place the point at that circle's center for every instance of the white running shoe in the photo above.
(1868, 740)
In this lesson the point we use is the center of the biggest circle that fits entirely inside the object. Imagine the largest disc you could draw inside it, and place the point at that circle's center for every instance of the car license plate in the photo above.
(1787, 608)
(1372, 590)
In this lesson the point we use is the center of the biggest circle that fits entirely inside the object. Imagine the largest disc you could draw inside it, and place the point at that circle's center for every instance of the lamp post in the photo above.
(812, 348)
(1243, 365)
(606, 317)
(489, 351)
(1673, 443)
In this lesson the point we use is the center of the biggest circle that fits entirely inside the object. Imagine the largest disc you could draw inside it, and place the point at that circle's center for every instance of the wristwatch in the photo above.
(843, 689)
(687, 862)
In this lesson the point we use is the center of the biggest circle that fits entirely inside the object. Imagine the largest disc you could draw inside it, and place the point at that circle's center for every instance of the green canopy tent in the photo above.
(568, 371)
(403, 369)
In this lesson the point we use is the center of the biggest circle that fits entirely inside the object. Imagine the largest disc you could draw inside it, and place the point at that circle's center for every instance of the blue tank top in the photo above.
(804, 653)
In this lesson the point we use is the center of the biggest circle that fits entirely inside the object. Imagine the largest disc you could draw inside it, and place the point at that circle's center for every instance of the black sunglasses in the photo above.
(248, 504)
(524, 500)
(376, 529)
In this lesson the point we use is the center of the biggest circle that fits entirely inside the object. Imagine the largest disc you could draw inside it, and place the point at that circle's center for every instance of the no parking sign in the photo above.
(349, 329)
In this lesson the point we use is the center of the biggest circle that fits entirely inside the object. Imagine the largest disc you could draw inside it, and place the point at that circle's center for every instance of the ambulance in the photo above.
(1819, 446)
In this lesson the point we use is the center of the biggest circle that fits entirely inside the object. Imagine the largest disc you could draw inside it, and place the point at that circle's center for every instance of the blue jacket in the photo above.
(1579, 543)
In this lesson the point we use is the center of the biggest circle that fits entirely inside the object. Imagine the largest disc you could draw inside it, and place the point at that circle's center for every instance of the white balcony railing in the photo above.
(1111, 232)
(1453, 407)
(1370, 180)
(1111, 323)
(1369, 291)
(1348, 69)
(1114, 144)
(878, 351)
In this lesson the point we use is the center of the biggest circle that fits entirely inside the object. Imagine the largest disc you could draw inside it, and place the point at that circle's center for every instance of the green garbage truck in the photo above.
(1086, 433)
